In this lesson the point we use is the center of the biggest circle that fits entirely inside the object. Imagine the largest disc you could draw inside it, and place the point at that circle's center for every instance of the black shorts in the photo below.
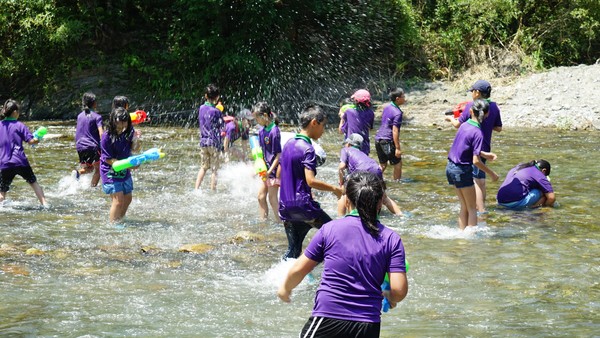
(386, 152)
(89, 156)
(338, 328)
(7, 175)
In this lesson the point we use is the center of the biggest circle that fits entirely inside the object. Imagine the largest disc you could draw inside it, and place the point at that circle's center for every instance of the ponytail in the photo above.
(365, 192)
(480, 108)
(8, 108)
(88, 101)
(540, 164)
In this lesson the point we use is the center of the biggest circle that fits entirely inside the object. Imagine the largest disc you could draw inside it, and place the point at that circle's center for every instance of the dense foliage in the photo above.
(280, 48)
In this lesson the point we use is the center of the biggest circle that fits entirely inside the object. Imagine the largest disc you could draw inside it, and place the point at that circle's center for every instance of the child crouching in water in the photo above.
(117, 143)
(12, 157)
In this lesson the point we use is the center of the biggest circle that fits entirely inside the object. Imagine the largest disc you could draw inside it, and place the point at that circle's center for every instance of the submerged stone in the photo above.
(196, 248)
(34, 252)
(247, 236)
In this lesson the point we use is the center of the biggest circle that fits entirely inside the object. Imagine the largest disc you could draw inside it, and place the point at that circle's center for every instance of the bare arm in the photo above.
(314, 183)
(398, 288)
(550, 199)
(301, 268)
(340, 126)
(454, 121)
(341, 172)
(488, 155)
(275, 164)
(396, 138)
(477, 162)
(498, 129)
(226, 144)
(33, 141)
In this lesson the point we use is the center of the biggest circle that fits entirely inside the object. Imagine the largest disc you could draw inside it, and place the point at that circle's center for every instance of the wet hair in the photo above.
(541, 164)
(263, 108)
(365, 191)
(8, 108)
(480, 108)
(363, 105)
(88, 101)
(309, 113)
(212, 92)
(395, 93)
(120, 102)
(116, 115)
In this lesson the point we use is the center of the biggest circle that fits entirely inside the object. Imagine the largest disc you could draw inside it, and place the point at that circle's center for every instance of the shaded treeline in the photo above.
(280, 50)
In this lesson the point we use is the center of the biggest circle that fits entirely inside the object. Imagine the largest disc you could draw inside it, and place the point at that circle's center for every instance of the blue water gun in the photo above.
(132, 161)
(385, 286)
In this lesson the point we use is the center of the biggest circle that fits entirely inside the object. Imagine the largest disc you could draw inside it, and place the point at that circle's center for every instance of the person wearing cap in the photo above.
(352, 159)
(481, 89)
(387, 139)
(236, 128)
(527, 186)
(298, 163)
(359, 119)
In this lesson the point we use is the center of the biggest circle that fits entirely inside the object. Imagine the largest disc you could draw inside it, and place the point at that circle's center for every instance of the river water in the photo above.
(67, 272)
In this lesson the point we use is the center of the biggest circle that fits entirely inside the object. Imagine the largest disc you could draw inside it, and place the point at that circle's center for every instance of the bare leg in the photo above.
(398, 171)
(263, 208)
(38, 192)
(480, 193)
(391, 205)
(273, 195)
(2, 196)
(382, 166)
(200, 177)
(126, 202)
(116, 206)
(96, 175)
(468, 208)
(213, 180)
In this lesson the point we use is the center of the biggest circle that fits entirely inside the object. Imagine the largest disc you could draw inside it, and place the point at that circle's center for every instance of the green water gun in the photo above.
(39, 133)
(132, 161)
(385, 304)
(260, 167)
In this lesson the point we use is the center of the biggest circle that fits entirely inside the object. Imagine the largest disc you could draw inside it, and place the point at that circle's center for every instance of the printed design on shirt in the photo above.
(267, 140)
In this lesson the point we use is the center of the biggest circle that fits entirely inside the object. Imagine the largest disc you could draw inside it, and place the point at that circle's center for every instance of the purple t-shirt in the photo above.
(295, 196)
(357, 160)
(210, 121)
(359, 122)
(12, 135)
(232, 131)
(467, 143)
(391, 117)
(87, 136)
(487, 126)
(518, 184)
(120, 149)
(355, 263)
(269, 138)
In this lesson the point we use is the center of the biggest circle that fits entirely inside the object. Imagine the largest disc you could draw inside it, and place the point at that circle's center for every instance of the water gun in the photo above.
(457, 110)
(132, 161)
(260, 167)
(219, 106)
(138, 117)
(385, 286)
(39, 133)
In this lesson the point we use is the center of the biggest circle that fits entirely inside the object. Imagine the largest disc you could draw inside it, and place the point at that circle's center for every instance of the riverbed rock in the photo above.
(34, 252)
(246, 236)
(196, 248)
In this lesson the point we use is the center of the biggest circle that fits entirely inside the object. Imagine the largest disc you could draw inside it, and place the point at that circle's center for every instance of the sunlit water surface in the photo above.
(67, 272)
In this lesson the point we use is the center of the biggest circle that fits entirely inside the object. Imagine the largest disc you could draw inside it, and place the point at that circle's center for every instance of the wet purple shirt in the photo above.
(355, 263)
(120, 149)
(391, 117)
(357, 160)
(210, 122)
(87, 136)
(487, 126)
(232, 131)
(295, 196)
(269, 138)
(467, 143)
(518, 184)
(12, 135)
(359, 122)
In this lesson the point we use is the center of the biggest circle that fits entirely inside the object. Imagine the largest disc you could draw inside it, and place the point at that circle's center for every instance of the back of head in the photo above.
(396, 93)
(480, 108)
(88, 101)
(354, 140)
(118, 115)
(484, 88)
(543, 164)
(365, 191)
(212, 92)
(362, 98)
(120, 101)
(309, 113)
(262, 108)
(8, 108)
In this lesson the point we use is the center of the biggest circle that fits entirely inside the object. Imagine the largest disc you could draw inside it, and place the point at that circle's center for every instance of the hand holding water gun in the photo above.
(132, 161)
(385, 286)
(39, 133)
(260, 167)
(138, 117)
(457, 110)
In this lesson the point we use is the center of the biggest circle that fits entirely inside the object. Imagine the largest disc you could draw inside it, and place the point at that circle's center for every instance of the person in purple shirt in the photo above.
(116, 144)
(87, 139)
(356, 251)
(269, 138)
(237, 128)
(353, 160)
(481, 89)
(359, 119)
(527, 186)
(464, 153)
(387, 139)
(298, 162)
(210, 121)
(12, 157)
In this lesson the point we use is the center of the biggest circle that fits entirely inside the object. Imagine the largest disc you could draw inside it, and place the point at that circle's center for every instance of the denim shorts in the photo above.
(527, 201)
(478, 173)
(459, 175)
(126, 187)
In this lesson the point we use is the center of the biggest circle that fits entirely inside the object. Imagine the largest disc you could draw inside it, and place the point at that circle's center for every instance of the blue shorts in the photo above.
(126, 187)
(478, 173)
(527, 201)
(459, 175)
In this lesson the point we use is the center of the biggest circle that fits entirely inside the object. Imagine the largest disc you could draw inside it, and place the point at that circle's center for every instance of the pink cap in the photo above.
(361, 95)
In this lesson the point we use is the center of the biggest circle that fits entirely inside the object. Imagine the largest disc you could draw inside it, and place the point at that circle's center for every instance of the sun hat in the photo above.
(361, 95)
